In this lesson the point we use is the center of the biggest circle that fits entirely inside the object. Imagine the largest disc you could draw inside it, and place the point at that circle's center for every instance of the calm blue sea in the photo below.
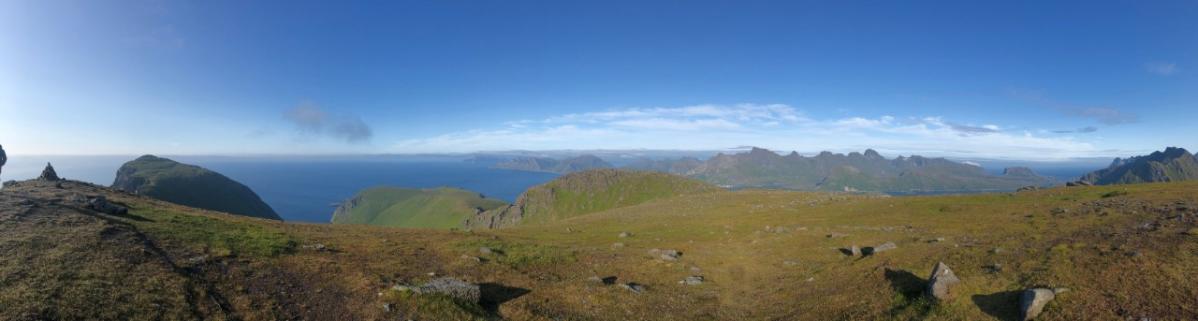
(305, 189)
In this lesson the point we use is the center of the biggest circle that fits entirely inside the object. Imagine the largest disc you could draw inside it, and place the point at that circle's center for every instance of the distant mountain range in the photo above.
(552, 165)
(1173, 164)
(868, 171)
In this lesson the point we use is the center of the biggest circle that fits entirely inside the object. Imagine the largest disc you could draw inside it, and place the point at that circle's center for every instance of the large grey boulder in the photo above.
(452, 287)
(941, 283)
(1033, 301)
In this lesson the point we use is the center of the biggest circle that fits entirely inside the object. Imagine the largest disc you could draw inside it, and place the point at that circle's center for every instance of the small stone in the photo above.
(617, 245)
(836, 235)
(1033, 301)
(635, 288)
(670, 255)
(387, 307)
(485, 250)
(790, 262)
(693, 280)
(625, 234)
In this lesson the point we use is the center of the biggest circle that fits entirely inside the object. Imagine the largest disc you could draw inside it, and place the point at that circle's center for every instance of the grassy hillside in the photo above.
(1125, 252)
(417, 208)
(589, 192)
(190, 185)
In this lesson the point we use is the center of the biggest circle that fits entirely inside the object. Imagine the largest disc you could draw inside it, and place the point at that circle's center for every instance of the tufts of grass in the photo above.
(1114, 194)
(213, 236)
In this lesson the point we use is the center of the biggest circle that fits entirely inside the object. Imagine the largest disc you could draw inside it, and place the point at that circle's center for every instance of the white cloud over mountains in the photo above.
(776, 126)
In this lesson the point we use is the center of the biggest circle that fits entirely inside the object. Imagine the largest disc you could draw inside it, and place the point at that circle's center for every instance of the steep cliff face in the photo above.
(587, 192)
(190, 185)
(1171, 165)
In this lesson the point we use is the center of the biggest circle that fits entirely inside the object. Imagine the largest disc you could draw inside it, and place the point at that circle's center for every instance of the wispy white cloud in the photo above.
(1161, 68)
(780, 127)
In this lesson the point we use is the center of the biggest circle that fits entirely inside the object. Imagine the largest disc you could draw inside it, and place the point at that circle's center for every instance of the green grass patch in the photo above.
(211, 235)
(518, 255)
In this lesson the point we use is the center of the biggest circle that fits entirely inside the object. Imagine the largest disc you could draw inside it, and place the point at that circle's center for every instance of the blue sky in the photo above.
(1028, 80)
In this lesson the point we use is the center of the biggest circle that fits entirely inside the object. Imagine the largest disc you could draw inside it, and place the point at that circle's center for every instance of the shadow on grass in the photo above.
(910, 303)
(494, 294)
(1000, 305)
(906, 283)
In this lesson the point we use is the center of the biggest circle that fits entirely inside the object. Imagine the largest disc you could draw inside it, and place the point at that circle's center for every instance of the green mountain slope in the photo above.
(1173, 164)
(190, 185)
(588, 192)
(416, 208)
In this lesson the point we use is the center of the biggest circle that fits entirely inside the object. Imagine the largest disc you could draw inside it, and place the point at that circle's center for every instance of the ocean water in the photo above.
(306, 189)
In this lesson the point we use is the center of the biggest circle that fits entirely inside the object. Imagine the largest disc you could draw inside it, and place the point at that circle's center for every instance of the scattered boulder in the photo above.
(100, 204)
(602, 280)
(625, 234)
(670, 255)
(836, 235)
(48, 174)
(941, 283)
(485, 250)
(1030, 188)
(692, 280)
(452, 287)
(878, 249)
(319, 247)
(851, 251)
(634, 287)
(666, 255)
(1033, 301)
